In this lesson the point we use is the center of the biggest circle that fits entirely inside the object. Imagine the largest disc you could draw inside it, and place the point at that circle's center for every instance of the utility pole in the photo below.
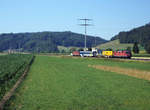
(85, 24)
(95, 41)
(9, 48)
(19, 47)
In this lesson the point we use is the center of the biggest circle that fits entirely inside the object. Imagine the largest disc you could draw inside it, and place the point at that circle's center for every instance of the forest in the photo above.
(45, 41)
(140, 35)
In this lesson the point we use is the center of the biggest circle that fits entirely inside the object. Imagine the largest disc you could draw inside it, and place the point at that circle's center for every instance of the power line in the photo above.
(85, 24)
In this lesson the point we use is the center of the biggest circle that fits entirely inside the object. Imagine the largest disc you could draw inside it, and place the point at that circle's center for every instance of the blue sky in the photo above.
(109, 16)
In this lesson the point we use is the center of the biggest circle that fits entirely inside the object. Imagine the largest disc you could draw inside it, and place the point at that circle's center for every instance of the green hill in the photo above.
(45, 41)
(140, 35)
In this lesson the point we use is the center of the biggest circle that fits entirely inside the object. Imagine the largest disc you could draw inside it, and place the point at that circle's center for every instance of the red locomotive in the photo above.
(122, 54)
(76, 53)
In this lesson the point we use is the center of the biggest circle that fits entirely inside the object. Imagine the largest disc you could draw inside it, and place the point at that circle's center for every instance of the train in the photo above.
(117, 54)
(84, 53)
(104, 53)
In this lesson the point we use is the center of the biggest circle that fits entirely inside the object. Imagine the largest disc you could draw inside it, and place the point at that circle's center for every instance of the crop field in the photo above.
(65, 83)
(11, 68)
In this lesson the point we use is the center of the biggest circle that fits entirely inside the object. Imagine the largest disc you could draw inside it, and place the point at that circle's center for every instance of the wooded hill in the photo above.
(45, 41)
(140, 35)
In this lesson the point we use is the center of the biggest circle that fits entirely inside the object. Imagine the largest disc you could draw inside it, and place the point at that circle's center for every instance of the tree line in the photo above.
(140, 35)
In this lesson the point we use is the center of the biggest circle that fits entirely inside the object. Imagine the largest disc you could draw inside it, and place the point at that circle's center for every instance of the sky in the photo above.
(109, 17)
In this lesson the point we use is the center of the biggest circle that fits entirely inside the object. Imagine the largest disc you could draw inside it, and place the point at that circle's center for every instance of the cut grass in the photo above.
(131, 72)
(63, 83)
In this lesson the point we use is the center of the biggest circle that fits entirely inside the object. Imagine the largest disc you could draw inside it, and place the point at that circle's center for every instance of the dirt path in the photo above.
(11, 92)
(127, 71)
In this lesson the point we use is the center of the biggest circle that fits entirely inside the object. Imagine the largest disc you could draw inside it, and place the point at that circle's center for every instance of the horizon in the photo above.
(108, 17)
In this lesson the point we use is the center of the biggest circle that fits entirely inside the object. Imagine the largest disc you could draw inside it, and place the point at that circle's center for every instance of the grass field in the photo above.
(64, 83)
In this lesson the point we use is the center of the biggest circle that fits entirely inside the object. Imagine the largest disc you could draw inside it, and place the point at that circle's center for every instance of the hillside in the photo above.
(140, 35)
(115, 45)
(45, 41)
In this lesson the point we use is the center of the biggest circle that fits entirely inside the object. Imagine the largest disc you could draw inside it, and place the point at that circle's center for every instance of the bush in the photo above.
(135, 48)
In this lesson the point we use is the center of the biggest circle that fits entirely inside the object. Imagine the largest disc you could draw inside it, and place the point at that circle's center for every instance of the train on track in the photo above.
(104, 53)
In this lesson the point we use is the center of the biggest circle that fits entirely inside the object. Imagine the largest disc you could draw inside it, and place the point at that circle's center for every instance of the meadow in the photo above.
(116, 45)
(65, 83)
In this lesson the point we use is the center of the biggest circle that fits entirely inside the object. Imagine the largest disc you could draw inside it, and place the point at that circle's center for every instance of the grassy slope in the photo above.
(68, 84)
(115, 44)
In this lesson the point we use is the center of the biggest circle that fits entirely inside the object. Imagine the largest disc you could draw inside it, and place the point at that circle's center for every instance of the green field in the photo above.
(65, 83)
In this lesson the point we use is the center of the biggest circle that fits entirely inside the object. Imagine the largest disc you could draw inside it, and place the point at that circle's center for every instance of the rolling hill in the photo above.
(140, 35)
(45, 41)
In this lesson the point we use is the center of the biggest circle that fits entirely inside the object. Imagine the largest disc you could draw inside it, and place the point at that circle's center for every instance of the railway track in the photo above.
(141, 58)
(132, 58)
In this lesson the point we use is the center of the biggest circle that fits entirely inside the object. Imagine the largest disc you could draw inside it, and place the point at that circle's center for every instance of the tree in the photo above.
(147, 47)
(129, 49)
(135, 48)
(62, 51)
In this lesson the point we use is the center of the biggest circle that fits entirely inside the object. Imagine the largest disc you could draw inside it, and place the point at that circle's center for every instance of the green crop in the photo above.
(11, 68)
